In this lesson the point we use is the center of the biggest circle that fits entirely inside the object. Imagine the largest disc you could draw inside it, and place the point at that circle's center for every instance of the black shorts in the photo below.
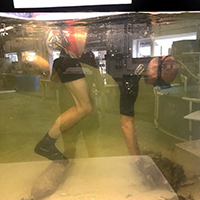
(128, 87)
(68, 69)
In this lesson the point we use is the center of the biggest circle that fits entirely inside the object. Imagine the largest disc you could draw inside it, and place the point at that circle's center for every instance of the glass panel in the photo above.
(88, 111)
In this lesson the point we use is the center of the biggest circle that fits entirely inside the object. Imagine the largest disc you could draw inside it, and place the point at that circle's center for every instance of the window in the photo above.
(162, 45)
(141, 48)
(12, 56)
(28, 56)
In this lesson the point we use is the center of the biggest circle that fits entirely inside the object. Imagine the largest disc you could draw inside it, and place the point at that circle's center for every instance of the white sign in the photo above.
(65, 3)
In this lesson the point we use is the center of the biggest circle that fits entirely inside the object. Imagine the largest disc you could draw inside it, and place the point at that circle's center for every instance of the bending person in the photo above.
(158, 71)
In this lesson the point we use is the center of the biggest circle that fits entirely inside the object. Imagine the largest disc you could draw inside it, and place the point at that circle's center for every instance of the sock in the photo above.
(46, 147)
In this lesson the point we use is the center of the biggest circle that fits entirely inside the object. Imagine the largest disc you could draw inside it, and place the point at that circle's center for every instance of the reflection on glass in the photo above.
(105, 107)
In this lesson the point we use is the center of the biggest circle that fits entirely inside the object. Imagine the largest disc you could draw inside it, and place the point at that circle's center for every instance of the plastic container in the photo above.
(28, 82)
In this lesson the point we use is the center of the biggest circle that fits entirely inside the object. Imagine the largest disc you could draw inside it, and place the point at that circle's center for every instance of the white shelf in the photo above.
(193, 116)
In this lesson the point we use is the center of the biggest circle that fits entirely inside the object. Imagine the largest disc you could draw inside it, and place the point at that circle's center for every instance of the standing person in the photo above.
(69, 71)
(90, 125)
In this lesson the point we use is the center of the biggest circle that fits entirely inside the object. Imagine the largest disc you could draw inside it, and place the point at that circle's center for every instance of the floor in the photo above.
(26, 117)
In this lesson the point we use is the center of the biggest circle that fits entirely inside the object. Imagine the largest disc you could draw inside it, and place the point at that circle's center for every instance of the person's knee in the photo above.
(127, 122)
(127, 125)
(89, 108)
(86, 109)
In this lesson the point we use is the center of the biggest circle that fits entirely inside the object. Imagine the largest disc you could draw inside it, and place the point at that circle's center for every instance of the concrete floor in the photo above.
(26, 117)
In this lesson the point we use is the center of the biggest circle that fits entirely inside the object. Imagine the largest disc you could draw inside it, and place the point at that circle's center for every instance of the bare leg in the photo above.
(130, 134)
(83, 106)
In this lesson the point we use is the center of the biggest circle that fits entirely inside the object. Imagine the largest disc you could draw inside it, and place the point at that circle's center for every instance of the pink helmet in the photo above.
(72, 40)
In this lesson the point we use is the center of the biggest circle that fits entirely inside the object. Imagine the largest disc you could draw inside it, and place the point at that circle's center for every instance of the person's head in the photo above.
(161, 71)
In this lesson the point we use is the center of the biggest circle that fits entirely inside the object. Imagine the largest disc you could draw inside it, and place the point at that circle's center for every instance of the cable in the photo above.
(187, 69)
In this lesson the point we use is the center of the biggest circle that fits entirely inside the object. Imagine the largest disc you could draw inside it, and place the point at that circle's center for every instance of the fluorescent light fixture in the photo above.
(6, 28)
(58, 16)
(65, 3)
